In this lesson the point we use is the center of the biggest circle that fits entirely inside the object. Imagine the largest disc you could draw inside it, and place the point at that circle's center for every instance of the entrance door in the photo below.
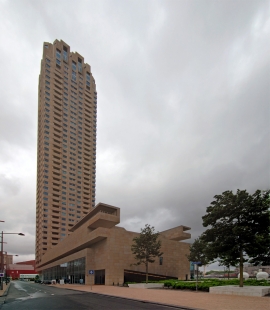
(100, 276)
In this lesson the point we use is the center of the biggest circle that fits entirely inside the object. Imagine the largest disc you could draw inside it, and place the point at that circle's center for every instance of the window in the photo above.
(58, 62)
(74, 67)
(160, 260)
(73, 76)
(58, 54)
(65, 54)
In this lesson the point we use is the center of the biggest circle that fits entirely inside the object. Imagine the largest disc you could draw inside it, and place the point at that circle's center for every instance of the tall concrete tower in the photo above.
(66, 152)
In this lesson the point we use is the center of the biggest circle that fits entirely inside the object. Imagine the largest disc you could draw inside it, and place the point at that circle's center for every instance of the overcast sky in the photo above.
(183, 104)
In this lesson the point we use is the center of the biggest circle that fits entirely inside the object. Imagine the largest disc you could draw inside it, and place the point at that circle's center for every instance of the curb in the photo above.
(4, 296)
(138, 300)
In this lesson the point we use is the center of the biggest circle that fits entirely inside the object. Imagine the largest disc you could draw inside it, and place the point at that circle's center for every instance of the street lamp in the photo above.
(2, 251)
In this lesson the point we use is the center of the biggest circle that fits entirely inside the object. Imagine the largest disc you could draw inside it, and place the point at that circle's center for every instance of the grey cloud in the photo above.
(183, 102)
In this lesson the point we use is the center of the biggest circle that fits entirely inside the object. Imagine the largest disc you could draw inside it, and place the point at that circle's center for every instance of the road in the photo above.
(28, 295)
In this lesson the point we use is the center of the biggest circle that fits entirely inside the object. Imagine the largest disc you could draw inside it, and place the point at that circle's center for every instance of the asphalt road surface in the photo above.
(33, 296)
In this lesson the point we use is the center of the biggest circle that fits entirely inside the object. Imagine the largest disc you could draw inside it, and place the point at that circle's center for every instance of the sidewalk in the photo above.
(198, 300)
(3, 293)
(5, 287)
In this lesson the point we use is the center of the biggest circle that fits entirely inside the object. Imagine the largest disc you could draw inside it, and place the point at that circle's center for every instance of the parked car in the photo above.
(38, 281)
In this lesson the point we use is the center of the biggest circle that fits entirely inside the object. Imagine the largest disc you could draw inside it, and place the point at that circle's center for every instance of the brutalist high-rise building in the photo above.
(66, 161)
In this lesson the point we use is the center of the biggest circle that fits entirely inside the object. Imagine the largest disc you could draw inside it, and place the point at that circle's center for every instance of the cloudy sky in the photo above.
(183, 104)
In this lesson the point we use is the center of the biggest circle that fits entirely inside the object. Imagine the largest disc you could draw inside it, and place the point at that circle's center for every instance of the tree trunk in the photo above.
(146, 265)
(241, 265)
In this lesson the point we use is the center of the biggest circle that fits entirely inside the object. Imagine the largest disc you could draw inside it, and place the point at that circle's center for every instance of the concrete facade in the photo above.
(66, 161)
(105, 246)
(8, 258)
(258, 291)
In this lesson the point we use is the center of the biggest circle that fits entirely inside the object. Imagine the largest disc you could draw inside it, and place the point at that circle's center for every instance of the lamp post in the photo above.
(2, 252)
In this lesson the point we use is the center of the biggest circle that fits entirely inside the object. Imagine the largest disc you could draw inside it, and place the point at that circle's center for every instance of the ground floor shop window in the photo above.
(70, 272)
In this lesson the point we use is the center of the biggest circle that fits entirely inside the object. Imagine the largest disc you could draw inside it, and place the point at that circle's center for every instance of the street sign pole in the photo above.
(197, 279)
(196, 263)
(91, 272)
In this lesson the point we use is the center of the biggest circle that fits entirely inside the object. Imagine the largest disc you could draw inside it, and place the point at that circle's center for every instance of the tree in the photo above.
(199, 252)
(227, 262)
(146, 247)
(239, 227)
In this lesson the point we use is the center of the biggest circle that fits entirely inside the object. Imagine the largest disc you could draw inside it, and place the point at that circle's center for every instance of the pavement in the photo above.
(5, 289)
(188, 299)
(3, 293)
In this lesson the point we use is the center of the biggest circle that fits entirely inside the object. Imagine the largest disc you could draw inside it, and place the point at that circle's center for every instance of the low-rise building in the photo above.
(16, 271)
(253, 270)
(96, 245)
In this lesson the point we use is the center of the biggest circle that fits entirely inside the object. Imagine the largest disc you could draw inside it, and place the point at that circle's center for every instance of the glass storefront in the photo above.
(70, 272)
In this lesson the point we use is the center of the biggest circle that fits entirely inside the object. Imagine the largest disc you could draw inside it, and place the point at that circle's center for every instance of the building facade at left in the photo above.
(66, 152)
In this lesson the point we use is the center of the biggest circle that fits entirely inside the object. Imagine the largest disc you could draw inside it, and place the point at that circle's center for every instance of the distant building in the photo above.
(7, 259)
(97, 245)
(16, 271)
(253, 270)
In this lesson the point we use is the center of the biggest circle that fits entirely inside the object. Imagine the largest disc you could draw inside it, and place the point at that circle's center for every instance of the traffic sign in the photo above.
(196, 263)
(2, 274)
(91, 271)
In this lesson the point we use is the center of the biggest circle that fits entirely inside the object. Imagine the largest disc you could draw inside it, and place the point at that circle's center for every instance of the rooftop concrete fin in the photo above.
(102, 215)
(176, 233)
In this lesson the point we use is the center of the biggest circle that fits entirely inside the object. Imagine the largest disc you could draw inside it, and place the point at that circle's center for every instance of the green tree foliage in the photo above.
(146, 247)
(239, 228)
(199, 252)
